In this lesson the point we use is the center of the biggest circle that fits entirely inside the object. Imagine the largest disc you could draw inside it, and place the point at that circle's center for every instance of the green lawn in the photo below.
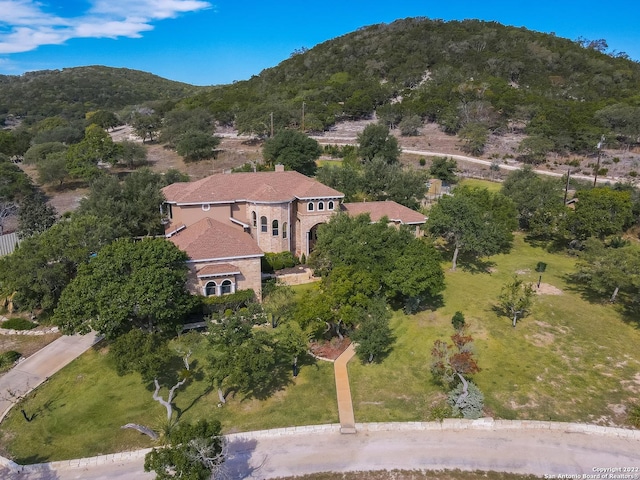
(476, 182)
(570, 360)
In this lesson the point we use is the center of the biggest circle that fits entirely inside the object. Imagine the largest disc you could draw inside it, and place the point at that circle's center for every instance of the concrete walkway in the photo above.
(345, 405)
(33, 371)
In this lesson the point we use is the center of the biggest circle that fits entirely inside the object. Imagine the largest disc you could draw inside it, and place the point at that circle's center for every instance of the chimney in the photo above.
(279, 168)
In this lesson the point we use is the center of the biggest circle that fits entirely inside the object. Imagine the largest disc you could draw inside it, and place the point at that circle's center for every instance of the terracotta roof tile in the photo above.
(218, 269)
(392, 210)
(210, 239)
(251, 186)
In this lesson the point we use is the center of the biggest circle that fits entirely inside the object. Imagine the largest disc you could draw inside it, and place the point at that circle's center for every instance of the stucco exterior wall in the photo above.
(306, 220)
(250, 276)
(267, 241)
(190, 214)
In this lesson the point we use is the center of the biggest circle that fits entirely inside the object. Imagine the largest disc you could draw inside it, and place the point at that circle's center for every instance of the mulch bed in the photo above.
(330, 349)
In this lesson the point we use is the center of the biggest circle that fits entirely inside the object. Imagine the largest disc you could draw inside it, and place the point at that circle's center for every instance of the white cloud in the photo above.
(25, 25)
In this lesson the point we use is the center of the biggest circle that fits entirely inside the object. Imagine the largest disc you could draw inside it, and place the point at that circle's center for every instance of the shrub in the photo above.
(18, 323)
(471, 406)
(277, 261)
(457, 320)
(422, 162)
(439, 412)
(9, 358)
(633, 173)
(233, 301)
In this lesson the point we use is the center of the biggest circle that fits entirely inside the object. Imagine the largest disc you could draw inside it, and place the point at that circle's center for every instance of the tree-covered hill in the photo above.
(473, 78)
(71, 92)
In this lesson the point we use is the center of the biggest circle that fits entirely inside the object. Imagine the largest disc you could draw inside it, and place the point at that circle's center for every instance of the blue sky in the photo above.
(209, 42)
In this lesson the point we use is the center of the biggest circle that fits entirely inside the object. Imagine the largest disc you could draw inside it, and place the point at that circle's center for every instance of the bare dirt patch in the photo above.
(546, 289)
(26, 344)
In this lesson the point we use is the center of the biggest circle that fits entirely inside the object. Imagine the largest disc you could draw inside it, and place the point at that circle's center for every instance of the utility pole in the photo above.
(303, 105)
(595, 177)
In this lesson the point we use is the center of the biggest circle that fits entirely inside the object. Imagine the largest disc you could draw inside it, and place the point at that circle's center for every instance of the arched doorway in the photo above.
(312, 238)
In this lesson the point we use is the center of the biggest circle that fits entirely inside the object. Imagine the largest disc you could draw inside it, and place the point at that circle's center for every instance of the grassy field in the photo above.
(476, 182)
(570, 360)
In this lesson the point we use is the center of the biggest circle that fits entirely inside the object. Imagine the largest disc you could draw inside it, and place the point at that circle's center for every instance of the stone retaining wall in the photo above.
(447, 424)
(34, 332)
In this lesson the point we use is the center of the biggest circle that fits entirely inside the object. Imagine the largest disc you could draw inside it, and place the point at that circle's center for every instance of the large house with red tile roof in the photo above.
(232, 219)
(225, 223)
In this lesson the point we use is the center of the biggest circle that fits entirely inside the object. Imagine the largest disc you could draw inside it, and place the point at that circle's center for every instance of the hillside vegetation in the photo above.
(71, 92)
(473, 78)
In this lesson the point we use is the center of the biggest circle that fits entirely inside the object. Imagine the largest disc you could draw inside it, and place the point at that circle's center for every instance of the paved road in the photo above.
(538, 452)
(31, 372)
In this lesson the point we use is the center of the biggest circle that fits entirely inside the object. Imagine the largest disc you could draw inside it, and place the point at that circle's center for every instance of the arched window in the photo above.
(254, 219)
(284, 230)
(330, 205)
(320, 205)
(274, 228)
(263, 224)
(210, 289)
(226, 287)
(310, 207)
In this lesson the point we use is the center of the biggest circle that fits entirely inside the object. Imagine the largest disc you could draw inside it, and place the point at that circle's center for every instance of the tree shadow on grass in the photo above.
(33, 459)
(582, 289)
(475, 265)
(207, 391)
(631, 316)
(550, 245)
(281, 378)
(627, 307)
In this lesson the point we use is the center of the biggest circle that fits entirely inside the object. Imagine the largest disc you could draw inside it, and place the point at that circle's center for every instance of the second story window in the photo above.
(284, 230)
(263, 225)
(320, 205)
(330, 205)
(254, 219)
(274, 228)
(310, 207)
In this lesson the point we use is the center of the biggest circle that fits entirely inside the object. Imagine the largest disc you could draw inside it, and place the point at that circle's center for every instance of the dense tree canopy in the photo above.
(474, 221)
(376, 180)
(127, 285)
(600, 212)
(35, 215)
(376, 141)
(248, 360)
(44, 264)
(131, 207)
(399, 265)
(610, 271)
(445, 169)
(294, 150)
(538, 201)
(194, 452)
